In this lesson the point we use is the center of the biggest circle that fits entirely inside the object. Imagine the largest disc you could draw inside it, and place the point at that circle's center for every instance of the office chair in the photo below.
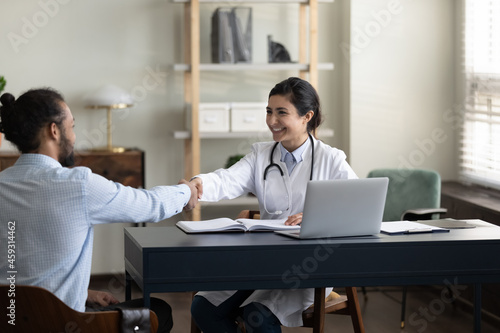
(314, 316)
(38, 310)
(412, 195)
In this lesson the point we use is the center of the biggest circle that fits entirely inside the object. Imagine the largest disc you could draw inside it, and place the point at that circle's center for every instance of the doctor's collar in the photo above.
(297, 153)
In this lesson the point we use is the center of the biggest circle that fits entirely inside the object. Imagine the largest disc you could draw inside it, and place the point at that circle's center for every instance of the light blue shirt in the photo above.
(55, 210)
(296, 154)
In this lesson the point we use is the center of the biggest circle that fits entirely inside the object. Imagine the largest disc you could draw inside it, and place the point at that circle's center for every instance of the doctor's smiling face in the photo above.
(285, 123)
(293, 111)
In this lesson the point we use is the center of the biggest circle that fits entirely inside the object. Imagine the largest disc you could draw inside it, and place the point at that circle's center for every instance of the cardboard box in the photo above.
(248, 117)
(213, 117)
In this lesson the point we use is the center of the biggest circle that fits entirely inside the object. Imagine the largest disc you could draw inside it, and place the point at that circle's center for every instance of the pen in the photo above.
(410, 231)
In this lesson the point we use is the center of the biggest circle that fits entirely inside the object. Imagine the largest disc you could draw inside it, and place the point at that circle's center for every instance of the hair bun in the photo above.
(7, 99)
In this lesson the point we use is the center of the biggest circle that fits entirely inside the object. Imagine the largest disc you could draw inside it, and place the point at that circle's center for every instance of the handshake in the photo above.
(196, 187)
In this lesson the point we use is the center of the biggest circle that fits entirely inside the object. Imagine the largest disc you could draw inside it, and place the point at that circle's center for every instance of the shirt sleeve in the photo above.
(232, 182)
(109, 202)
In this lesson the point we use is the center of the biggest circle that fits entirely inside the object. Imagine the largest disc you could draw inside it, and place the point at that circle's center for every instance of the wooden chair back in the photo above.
(36, 309)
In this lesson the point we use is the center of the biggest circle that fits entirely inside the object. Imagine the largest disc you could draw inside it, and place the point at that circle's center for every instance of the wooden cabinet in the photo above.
(307, 68)
(126, 168)
(7, 160)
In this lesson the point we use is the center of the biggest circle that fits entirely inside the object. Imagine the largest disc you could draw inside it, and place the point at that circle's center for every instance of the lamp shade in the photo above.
(108, 95)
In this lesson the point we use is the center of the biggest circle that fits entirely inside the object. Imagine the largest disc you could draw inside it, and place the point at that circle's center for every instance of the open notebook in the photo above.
(227, 224)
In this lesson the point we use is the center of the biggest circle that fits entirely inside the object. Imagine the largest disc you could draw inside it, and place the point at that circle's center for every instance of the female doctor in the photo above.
(277, 173)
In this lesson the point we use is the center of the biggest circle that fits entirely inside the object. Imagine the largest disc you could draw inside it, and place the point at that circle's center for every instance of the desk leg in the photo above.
(146, 295)
(477, 308)
(128, 286)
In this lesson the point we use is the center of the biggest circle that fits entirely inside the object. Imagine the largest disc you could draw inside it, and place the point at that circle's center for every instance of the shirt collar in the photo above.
(297, 153)
(38, 159)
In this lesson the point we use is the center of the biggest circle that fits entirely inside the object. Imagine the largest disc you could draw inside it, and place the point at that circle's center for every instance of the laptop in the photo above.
(342, 208)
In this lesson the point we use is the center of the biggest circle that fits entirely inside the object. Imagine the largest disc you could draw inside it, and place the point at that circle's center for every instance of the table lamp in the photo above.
(109, 97)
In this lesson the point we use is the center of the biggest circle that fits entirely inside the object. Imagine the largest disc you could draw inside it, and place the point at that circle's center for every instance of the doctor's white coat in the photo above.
(247, 176)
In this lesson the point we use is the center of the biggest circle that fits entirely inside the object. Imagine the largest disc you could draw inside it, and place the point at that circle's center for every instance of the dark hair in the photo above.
(303, 96)
(22, 119)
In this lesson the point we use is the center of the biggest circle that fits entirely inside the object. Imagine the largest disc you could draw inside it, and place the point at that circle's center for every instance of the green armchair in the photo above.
(412, 194)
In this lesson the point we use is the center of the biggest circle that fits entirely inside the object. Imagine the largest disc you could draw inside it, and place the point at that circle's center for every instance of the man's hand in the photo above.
(194, 195)
(294, 219)
(100, 298)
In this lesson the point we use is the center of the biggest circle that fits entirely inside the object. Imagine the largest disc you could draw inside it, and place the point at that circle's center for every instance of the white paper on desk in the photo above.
(401, 227)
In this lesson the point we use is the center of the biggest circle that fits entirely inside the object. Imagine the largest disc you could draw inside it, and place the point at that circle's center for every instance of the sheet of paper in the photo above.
(396, 227)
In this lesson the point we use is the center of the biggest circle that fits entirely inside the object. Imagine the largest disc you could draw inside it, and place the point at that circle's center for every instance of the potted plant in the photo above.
(233, 159)
(2, 84)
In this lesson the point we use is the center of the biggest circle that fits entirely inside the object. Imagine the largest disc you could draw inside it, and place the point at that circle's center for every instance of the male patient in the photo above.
(54, 208)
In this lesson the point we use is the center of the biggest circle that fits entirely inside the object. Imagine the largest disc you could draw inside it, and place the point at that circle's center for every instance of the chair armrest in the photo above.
(422, 213)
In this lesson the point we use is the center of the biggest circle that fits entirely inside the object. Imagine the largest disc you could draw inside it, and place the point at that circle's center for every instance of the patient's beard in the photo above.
(67, 154)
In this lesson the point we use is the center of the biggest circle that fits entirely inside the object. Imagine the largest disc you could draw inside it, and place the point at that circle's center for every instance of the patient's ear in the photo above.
(51, 131)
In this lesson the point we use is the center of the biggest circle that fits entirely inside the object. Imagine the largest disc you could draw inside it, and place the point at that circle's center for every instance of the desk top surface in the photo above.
(259, 260)
(171, 237)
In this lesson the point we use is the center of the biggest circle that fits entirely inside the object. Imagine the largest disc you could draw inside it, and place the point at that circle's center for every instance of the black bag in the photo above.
(135, 320)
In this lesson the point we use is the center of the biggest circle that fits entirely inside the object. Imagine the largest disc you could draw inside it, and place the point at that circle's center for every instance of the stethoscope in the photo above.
(272, 164)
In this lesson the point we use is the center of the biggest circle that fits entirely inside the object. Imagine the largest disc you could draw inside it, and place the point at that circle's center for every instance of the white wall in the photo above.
(402, 85)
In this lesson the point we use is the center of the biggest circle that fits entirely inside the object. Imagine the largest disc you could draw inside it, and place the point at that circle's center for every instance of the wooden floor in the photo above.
(426, 311)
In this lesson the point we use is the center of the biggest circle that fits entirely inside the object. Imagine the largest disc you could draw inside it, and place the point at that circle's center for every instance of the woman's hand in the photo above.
(198, 183)
(294, 219)
(194, 194)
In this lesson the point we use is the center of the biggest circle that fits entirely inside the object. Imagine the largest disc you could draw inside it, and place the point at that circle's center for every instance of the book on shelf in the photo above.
(225, 224)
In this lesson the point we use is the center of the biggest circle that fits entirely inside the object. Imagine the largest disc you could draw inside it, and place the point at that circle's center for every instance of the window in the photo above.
(480, 135)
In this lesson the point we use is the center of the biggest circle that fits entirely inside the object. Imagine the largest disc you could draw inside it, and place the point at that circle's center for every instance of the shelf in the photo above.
(254, 67)
(322, 133)
(254, 1)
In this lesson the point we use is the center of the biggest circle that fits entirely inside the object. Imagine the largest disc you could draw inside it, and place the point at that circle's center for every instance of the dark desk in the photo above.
(165, 259)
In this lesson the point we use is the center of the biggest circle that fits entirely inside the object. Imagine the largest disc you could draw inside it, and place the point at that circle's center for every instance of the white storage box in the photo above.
(248, 117)
(213, 117)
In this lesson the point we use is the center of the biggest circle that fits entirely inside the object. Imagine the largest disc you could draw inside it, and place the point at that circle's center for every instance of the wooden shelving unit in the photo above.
(307, 68)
